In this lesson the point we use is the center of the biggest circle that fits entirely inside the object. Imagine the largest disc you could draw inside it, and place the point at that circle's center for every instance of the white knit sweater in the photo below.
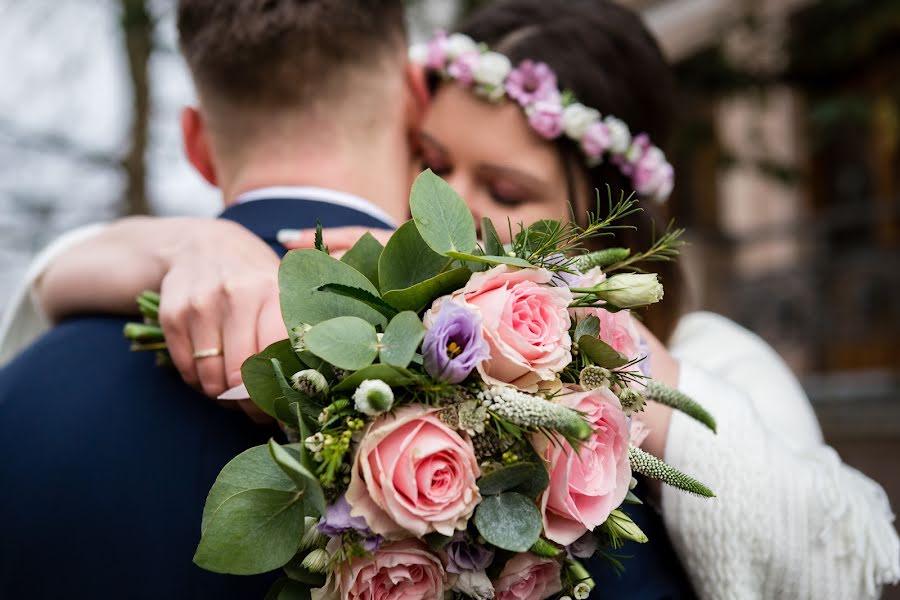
(790, 520)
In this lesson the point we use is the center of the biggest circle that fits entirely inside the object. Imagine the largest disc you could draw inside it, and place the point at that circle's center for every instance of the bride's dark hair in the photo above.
(605, 55)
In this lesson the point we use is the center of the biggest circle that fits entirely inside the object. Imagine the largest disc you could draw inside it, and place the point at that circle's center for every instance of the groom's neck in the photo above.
(377, 168)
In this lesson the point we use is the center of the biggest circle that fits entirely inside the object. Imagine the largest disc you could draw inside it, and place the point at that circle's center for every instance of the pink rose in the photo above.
(528, 577)
(524, 320)
(595, 140)
(404, 570)
(412, 474)
(585, 487)
(545, 117)
(619, 331)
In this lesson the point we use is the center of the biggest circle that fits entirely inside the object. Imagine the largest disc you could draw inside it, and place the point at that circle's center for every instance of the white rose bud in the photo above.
(459, 43)
(491, 69)
(576, 119)
(630, 290)
(475, 585)
(373, 397)
(619, 135)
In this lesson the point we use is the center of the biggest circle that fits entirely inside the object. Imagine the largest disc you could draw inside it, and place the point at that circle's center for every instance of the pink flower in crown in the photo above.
(545, 117)
(462, 68)
(531, 82)
(436, 55)
(585, 486)
(652, 173)
(595, 141)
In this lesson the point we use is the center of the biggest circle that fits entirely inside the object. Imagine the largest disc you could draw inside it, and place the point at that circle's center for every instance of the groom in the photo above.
(305, 113)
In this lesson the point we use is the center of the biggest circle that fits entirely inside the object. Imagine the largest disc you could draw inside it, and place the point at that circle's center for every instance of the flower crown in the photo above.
(550, 113)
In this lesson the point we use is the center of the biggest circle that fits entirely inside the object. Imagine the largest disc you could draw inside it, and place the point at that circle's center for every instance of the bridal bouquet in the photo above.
(461, 414)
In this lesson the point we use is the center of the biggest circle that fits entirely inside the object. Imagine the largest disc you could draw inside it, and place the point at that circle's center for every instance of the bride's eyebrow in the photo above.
(517, 176)
(424, 137)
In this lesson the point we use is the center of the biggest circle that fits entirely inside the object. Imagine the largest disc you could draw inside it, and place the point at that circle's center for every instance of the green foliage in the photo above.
(318, 243)
(441, 216)
(363, 257)
(408, 260)
(601, 353)
(514, 261)
(492, 244)
(363, 296)
(286, 589)
(305, 481)
(301, 275)
(420, 295)
(392, 376)
(401, 339)
(527, 478)
(288, 397)
(346, 342)
(509, 521)
(253, 516)
(588, 326)
(257, 374)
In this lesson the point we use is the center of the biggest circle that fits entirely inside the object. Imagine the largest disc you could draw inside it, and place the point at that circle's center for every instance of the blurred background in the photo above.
(787, 158)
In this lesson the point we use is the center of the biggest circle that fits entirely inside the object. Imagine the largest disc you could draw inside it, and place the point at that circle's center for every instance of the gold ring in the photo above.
(208, 353)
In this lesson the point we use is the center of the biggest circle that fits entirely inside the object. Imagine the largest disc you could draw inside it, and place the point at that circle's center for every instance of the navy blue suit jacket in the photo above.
(106, 459)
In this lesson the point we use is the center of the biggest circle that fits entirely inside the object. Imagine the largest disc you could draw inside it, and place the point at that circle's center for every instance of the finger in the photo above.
(203, 325)
(173, 320)
(270, 327)
(238, 330)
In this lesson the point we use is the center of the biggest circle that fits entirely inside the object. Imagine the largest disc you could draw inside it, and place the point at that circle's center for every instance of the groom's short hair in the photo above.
(273, 54)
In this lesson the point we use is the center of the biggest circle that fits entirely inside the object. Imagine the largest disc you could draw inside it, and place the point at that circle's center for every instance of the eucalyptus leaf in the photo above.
(513, 261)
(407, 260)
(364, 255)
(252, 532)
(509, 521)
(401, 339)
(492, 244)
(392, 376)
(441, 216)
(301, 275)
(298, 573)
(601, 353)
(422, 294)
(368, 298)
(588, 326)
(305, 480)
(289, 396)
(346, 342)
(285, 589)
(256, 373)
(251, 469)
(528, 478)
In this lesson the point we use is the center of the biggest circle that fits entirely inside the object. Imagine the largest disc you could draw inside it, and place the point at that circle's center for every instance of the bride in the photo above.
(790, 520)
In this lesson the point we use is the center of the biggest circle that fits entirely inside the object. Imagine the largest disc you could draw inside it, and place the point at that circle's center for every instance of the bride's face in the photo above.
(493, 159)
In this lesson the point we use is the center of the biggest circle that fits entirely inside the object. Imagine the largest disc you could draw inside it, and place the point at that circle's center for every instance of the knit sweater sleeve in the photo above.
(789, 521)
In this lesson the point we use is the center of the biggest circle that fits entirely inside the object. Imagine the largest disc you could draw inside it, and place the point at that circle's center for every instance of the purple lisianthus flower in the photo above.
(337, 520)
(545, 118)
(454, 344)
(464, 554)
(583, 547)
(644, 351)
(462, 69)
(531, 82)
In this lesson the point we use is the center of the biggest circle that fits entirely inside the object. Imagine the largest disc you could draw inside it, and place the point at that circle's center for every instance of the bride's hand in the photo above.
(219, 296)
(338, 239)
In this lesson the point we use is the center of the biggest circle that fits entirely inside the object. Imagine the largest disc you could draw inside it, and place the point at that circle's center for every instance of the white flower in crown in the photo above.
(492, 69)
(577, 118)
(619, 135)
(418, 54)
(458, 44)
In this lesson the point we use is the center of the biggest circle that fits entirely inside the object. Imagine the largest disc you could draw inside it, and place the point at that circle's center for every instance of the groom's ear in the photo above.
(196, 143)
(417, 96)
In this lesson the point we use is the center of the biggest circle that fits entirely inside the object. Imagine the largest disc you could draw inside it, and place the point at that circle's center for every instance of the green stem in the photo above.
(142, 332)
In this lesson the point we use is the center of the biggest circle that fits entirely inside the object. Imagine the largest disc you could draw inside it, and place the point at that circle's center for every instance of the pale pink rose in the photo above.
(528, 577)
(412, 474)
(586, 486)
(619, 331)
(524, 320)
(404, 570)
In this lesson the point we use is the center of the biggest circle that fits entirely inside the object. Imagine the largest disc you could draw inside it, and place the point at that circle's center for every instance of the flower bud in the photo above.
(316, 561)
(630, 290)
(299, 332)
(310, 382)
(632, 401)
(594, 377)
(373, 397)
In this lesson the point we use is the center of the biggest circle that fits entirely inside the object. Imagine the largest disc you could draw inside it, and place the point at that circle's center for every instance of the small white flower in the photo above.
(458, 44)
(373, 397)
(491, 69)
(630, 290)
(619, 135)
(418, 54)
(315, 442)
(581, 591)
(576, 119)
